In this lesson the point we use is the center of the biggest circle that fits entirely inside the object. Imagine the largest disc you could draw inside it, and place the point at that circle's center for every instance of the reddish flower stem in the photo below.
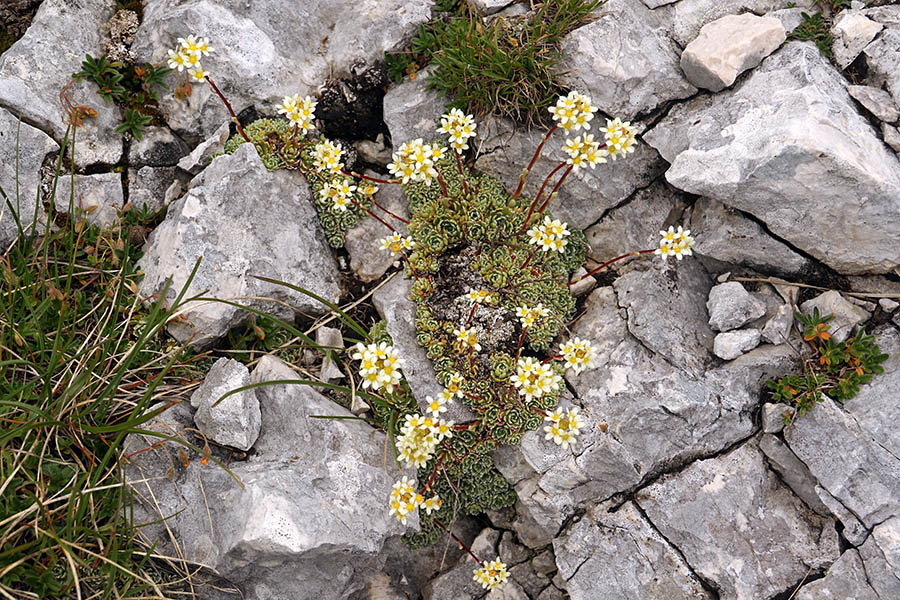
(521, 339)
(368, 178)
(607, 263)
(462, 175)
(534, 158)
(555, 189)
(528, 260)
(459, 541)
(443, 186)
(398, 217)
(234, 118)
(540, 194)
(434, 473)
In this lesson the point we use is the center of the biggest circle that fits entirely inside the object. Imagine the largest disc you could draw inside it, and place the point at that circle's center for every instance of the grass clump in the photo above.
(507, 67)
(816, 27)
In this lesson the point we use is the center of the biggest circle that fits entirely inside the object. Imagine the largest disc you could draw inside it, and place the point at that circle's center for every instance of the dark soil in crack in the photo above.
(15, 17)
(352, 108)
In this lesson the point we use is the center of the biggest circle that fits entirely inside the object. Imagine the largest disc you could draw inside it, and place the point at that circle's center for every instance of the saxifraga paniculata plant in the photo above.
(490, 273)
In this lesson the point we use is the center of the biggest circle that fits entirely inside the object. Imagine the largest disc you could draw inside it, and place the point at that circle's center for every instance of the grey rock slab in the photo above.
(363, 243)
(852, 32)
(728, 345)
(531, 582)
(664, 304)
(778, 328)
(876, 101)
(691, 15)
(38, 66)
(854, 531)
(729, 46)
(793, 472)
(738, 526)
(772, 417)
(458, 583)
(261, 534)
(881, 559)
(510, 590)
(730, 306)
(727, 235)
(845, 580)
(891, 136)
(625, 61)
(511, 551)
(260, 56)
(791, 18)
(243, 221)
(888, 305)
(202, 154)
(620, 555)
(792, 159)
(657, 3)
(489, 7)
(412, 111)
(98, 198)
(158, 147)
(235, 421)
(848, 461)
(882, 57)
(393, 304)
(147, 187)
(505, 150)
(846, 315)
(22, 152)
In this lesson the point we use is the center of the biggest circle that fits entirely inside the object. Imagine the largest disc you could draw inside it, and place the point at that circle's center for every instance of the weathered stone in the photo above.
(510, 590)
(158, 147)
(891, 137)
(260, 534)
(852, 32)
(147, 187)
(846, 316)
(504, 150)
(330, 337)
(876, 101)
(773, 417)
(664, 306)
(730, 306)
(412, 111)
(22, 152)
(98, 197)
(845, 580)
(38, 66)
(729, 46)
(845, 459)
(691, 15)
(376, 153)
(727, 235)
(551, 592)
(791, 18)
(793, 472)
(393, 304)
(619, 555)
(882, 57)
(530, 581)
(235, 421)
(511, 551)
(888, 305)
(238, 235)
(881, 559)
(624, 61)
(657, 3)
(580, 284)
(202, 155)
(489, 7)
(854, 531)
(457, 583)
(363, 243)
(791, 159)
(778, 328)
(259, 56)
(728, 345)
(738, 526)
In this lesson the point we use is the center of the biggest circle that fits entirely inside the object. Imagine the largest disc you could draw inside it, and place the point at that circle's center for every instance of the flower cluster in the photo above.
(578, 354)
(414, 161)
(459, 127)
(379, 365)
(564, 426)
(467, 338)
(551, 234)
(585, 152)
(187, 55)
(454, 386)
(528, 316)
(419, 437)
(675, 243)
(299, 111)
(620, 137)
(573, 111)
(480, 296)
(339, 191)
(327, 156)
(534, 379)
(405, 499)
(396, 243)
(491, 574)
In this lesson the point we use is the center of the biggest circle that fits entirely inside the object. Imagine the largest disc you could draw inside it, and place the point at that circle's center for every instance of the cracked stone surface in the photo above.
(738, 526)
(691, 15)
(235, 421)
(98, 198)
(845, 580)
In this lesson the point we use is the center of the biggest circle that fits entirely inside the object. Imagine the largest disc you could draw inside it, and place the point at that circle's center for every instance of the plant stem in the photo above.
(367, 178)
(234, 118)
(534, 158)
(459, 541)
(462, 175)
(555, 189)
(607, 263)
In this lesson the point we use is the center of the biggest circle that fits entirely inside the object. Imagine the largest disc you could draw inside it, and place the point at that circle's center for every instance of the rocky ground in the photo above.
(685, 484)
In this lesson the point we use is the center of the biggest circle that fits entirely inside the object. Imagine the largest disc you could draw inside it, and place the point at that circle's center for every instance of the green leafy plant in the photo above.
(133, 124)
(816, 29)
(835, 369)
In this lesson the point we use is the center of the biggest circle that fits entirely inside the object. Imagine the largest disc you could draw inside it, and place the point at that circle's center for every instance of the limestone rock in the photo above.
(792, 159)
(773, 417)
(876, 101)
(791, 18)
(624, 61)
(852, 32)
(691, 15)
(793, 472)
(20, 185)
(98, 197)
(729, 345)
(891, 136)
(38, 66)
(235, 421)
(845, 580)
(202, 154)
(260, 55)
(738, 526)
(331, 337)
(243, 221)
(882, 56)
(730, 306)
(363, 243)
(412, 111)
(504, 150)
(619, 555)
(729, 46)
(846, 315)
(489, 7)
(778, 328)
(147, 187)
(260, 534)
(881, 559)
(158, 147)
(457, 583)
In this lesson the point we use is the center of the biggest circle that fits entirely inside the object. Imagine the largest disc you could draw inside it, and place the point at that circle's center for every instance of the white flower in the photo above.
(573, 111)
(327, 156)
(563, 427)
(491, 575)
(431, 504)
(436, 406)
(396, 243)
(459, 127)
(467, 337)
(578, 354)
(198, 74)
(380, 365)
(620, 137)
(677, 243)
(177, 60)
